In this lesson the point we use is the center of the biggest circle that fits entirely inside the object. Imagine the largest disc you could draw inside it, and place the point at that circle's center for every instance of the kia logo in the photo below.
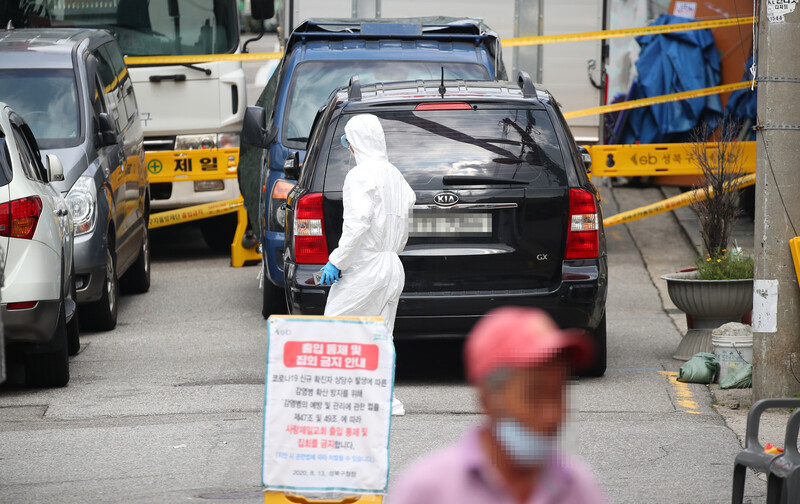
(446, 199)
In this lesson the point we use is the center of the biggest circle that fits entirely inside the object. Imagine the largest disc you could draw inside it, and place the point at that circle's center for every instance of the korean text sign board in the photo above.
(327, 408)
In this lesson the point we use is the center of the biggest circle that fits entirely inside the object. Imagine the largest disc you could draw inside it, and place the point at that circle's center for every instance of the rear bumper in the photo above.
(35, 325)
(578, 301)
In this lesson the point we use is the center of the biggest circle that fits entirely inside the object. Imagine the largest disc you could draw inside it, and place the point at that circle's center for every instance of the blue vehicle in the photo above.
(321, 56)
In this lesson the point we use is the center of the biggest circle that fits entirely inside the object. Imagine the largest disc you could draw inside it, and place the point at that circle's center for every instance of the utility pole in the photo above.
(776, 298)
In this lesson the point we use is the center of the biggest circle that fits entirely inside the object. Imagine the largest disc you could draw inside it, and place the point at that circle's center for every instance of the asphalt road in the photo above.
(168, 406)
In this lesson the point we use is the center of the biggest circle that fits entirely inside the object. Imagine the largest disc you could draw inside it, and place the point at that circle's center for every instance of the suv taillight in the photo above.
(310, 245)
(583, 241)
(18, 218)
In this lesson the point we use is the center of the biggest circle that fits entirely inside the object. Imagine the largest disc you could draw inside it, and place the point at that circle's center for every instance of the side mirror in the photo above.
(253, 132)
(585, 157)
(291, 167)
(262, 9)
(55, 170)
(105, 130)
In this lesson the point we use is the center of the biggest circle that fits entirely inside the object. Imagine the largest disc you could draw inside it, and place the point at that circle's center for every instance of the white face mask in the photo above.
(526, 447)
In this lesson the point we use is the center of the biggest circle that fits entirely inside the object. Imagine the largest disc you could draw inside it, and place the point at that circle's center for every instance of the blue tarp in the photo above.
(672, 63)
(741, 105)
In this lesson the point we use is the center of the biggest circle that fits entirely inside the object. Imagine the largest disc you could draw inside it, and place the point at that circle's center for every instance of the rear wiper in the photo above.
(298, 139)
(479, 180)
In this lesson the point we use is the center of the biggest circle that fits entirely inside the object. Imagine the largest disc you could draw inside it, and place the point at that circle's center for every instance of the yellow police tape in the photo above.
(655, 100)
(512, 42)
(194, 213)
(200, 58)
(624, 32)
(668, 204)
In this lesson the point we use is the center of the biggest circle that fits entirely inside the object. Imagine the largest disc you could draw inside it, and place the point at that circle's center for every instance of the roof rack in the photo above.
(526, 85)
(354, 89)
(341, 29)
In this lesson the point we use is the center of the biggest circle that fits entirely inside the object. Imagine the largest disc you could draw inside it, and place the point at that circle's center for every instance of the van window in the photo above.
(519, 144)
(110, 88)
(313, 81)
(40, 94)
(123, 78)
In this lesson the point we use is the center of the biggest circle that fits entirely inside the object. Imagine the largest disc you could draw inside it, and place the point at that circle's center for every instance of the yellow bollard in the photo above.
(239, 254)
(284, 498)
(794, 246)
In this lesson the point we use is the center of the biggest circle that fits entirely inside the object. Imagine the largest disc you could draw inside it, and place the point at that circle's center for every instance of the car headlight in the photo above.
(82, 203)
(207, 141)
(194, 142)
(228, 140)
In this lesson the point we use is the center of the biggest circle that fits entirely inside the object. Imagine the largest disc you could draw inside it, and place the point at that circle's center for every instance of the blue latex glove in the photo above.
(330, 274)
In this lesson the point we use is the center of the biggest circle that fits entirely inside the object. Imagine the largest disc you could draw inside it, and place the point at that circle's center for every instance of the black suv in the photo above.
(505, 212)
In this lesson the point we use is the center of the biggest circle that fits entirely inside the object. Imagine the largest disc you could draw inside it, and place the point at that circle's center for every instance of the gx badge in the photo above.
(541, 257)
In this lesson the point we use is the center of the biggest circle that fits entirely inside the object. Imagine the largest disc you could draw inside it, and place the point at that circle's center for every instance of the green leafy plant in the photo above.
(721, 165)
(734, 266)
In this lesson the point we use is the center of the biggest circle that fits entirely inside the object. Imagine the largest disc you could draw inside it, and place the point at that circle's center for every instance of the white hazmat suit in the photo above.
(377, 202)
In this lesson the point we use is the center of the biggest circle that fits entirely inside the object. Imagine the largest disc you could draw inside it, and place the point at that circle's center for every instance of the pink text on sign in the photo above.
(316, 354)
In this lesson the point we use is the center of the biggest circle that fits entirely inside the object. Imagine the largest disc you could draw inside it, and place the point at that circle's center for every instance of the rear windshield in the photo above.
(313, 82)
(48, 101)
(517, 144)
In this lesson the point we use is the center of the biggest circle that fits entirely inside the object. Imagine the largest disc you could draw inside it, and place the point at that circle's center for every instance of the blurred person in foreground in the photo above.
(520, 362)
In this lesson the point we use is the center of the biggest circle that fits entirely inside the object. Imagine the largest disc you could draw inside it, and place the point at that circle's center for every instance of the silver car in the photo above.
(73, 88)
(36, 236)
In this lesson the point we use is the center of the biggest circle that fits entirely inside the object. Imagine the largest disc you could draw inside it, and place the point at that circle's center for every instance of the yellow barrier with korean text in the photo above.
(650, 160)
(193, 213)
(198, 164)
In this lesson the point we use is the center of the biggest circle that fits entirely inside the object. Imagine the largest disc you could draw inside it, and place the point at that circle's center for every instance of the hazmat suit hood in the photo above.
(365, 135)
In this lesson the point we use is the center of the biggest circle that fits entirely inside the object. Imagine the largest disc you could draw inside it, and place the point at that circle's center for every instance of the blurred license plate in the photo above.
(452, 224)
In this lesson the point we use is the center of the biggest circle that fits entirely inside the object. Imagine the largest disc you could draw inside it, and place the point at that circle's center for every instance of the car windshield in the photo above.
(426, 145)
(48, 101)
(313, 82)
(141, 27)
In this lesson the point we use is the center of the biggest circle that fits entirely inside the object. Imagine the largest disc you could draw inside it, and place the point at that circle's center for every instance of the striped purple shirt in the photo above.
(463, 474)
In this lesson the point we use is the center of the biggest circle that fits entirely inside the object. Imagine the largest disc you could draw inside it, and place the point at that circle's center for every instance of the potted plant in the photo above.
(720, 289)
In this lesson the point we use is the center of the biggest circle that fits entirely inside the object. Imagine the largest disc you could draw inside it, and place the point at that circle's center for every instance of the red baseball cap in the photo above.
(521, 337)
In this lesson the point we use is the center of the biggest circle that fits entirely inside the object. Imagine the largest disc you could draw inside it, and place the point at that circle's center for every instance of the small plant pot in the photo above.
(710, 304)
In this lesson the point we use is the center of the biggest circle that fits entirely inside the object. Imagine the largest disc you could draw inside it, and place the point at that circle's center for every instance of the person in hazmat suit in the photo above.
(364, 271)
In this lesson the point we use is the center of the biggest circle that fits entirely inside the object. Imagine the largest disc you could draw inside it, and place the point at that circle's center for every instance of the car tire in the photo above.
(273, 299)
(101, 315)
(73, 326)
(598, 367)
(50, 369)
(218, 232)
(137, 279)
